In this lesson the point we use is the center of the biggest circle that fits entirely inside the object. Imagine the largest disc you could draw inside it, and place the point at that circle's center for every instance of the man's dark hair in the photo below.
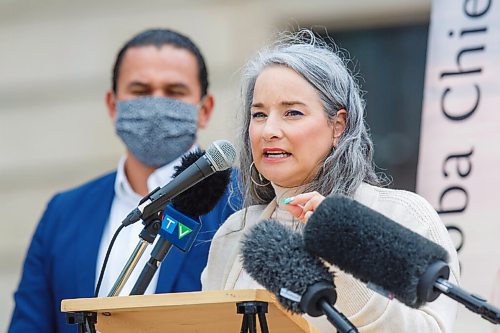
(159, 38)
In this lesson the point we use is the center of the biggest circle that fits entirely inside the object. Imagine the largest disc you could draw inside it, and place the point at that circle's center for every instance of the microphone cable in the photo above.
(106, 258)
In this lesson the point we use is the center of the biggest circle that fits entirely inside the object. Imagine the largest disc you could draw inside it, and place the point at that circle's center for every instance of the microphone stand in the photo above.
(318, 300)
(159, 253)
(147, 236)
(472, 302)
(434, 282)
(337, 318)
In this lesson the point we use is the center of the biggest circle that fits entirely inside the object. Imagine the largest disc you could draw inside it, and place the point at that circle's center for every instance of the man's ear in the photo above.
(111, 104)
(339, 124)
(206, 111)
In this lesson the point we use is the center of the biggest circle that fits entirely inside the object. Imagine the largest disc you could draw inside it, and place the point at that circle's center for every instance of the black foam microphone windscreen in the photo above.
(371, 247)
(202, 197)
(275, 257)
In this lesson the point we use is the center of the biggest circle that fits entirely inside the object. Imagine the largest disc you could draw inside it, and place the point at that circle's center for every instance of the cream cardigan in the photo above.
(368, 311)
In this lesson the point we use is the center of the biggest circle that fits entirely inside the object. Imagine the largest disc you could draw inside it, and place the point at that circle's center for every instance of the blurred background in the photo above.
(56, 59)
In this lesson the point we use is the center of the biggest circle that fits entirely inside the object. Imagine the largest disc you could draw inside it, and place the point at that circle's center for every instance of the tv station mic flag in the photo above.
(460, 140)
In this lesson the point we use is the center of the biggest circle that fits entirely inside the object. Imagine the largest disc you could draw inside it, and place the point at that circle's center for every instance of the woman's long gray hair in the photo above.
(351, 162)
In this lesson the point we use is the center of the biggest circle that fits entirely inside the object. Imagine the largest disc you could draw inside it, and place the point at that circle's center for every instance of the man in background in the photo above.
(158, 100)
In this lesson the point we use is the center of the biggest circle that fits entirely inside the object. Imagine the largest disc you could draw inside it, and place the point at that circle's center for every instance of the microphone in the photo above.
(390, 258)
(275, 257)
(220, 155)
(181, 225)
(180, 219)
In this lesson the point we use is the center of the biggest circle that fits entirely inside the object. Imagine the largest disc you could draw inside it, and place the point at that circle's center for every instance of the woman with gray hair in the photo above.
(304, 137)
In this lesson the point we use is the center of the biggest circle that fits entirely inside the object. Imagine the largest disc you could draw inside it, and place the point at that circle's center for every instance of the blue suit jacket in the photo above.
(61, 260)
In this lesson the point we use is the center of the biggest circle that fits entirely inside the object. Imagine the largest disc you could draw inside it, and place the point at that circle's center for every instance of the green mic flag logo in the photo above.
(183, 230)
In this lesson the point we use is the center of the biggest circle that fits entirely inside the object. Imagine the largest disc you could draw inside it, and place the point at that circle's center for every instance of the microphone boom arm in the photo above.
(337, 318)
(318, 300)
(472, 302)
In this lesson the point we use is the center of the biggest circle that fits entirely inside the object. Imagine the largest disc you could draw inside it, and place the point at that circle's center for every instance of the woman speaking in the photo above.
(303, 137)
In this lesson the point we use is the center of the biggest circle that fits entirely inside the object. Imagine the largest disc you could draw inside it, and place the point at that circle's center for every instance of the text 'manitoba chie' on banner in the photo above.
(459, 161)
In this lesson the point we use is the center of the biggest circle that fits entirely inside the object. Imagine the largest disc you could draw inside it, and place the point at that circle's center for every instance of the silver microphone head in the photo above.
(221, 154)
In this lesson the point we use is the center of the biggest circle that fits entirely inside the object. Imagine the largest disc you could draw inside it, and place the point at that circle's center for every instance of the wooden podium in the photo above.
(207, 312)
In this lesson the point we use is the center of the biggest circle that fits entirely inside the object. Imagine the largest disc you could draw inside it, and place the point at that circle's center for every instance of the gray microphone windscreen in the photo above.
(275, 257)
(371, 247)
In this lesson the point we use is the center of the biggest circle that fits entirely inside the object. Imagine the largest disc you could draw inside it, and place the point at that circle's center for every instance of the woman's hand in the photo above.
(303, 205)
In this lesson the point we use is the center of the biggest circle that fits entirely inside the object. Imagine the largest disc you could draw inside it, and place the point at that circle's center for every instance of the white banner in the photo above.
(459, 162)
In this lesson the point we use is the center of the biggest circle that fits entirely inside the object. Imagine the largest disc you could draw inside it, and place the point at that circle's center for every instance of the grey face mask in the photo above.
(156, 130)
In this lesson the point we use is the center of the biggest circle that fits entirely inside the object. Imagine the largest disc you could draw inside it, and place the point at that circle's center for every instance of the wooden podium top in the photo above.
(213, 311)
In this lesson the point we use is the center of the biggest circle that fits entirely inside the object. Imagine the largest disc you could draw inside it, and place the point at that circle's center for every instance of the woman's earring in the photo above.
(261, 179)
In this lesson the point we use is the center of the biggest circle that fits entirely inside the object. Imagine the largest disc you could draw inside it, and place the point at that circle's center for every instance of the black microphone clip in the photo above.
(136, 214)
